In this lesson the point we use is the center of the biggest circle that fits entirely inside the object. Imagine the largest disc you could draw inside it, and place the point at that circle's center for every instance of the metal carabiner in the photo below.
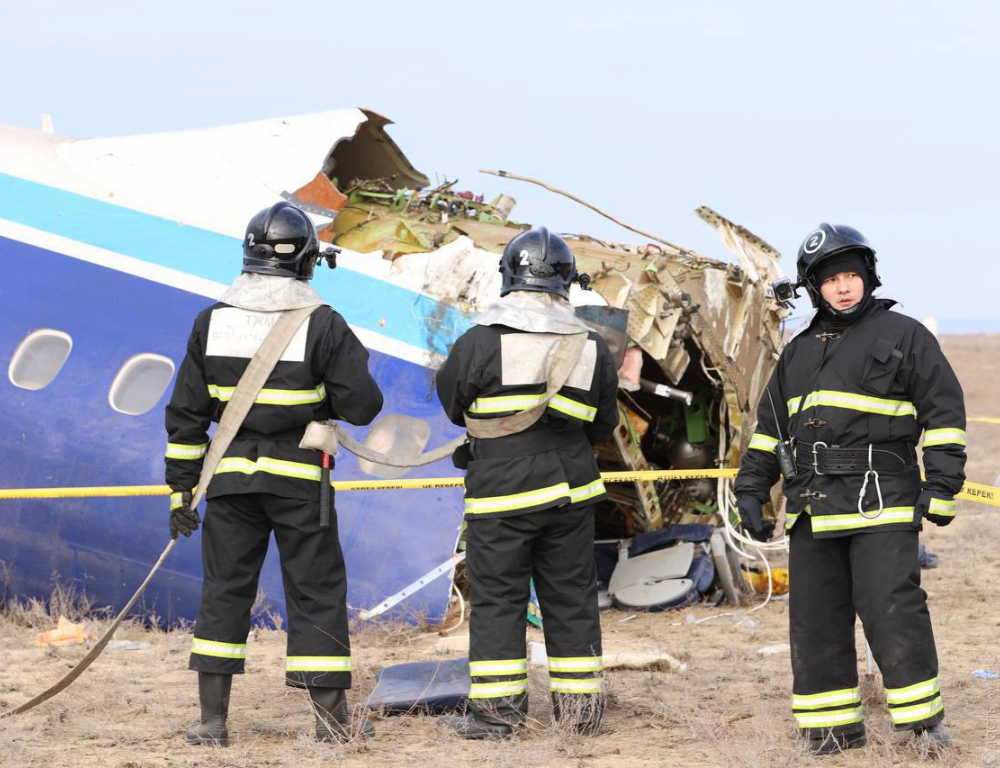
(864, 488)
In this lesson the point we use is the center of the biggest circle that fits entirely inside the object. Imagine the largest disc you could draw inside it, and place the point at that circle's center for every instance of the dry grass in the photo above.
(731, 706)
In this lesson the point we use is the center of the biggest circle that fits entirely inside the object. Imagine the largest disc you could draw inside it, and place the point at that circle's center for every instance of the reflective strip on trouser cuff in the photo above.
(498, 690)
(221, 650)
(528, 499)
(827, 699)
(569, 685)
(763, 442)
(901, 715)
(830, 719)
(176, 500)
(889, 516)
(912, 692)
(575, 664)
(270, 466)
(181, 451)
(949, 436)
(273, 396)
(942, 507)
(318, 664)
(852, 402)
(499, 667)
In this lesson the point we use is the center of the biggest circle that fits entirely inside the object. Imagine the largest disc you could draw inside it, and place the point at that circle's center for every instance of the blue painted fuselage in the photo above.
(67, 434)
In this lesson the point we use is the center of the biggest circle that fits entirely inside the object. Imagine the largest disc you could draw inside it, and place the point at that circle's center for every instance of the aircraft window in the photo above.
(39, 358)
(140, 383)
(395, 435)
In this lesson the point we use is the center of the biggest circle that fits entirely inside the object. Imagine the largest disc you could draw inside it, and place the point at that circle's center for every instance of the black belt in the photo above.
(886, 458)
(525, 443)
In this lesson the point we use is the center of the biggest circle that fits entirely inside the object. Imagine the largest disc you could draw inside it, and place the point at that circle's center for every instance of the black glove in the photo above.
(183, 519)
(936, 509)
(752, 517)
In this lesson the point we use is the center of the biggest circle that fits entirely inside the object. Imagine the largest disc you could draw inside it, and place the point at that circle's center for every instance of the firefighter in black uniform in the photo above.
(266, 482)
(852, 394)
(529, 499)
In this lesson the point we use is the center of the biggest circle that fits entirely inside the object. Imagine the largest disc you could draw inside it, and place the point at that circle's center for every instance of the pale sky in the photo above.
(777, 114)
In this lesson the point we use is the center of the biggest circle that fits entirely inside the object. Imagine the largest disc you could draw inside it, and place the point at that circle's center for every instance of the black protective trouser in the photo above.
(234, 542)
(556, 547)
(875, 575)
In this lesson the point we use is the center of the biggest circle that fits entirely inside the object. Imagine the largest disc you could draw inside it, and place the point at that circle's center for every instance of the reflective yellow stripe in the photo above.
(942, 507)
(176, 500)
(222, 650)
(826, 699)
(790, 518)
(949, 436)
(852, 402)
(533, 498)
(902, 715)
(498, 690)
(507, 403)
(318, 664)
(588, 491)
(270, 466)
(889, 516)
(572, 408)
(500, 667)
(273, 396)
(569, 685)
(912, 692)
(763, 442)
(575, 664)
(181, 451)
(829, 719)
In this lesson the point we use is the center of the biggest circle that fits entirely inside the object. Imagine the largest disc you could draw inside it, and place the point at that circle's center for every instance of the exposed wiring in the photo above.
(726, 499)
(716, 382)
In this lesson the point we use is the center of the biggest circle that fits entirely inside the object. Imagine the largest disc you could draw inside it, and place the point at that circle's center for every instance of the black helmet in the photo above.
(537, 260)
(827, 240)
(281, 240)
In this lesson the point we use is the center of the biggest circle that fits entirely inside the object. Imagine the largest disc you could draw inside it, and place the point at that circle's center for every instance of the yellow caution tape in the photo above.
(984, 494)
(984, 419)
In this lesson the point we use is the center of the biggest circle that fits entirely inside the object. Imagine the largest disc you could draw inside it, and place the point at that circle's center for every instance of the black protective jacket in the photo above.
(495, 371)
(323, 374)
(881, 381)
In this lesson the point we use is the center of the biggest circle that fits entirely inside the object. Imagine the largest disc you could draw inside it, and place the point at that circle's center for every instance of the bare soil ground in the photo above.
(730, 707)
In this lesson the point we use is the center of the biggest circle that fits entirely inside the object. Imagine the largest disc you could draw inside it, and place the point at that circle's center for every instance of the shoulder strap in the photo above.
(561, 362)
(250, 384)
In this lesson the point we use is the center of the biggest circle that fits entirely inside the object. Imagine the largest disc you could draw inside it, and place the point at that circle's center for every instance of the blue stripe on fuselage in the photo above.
(366, 302)
(67, 434)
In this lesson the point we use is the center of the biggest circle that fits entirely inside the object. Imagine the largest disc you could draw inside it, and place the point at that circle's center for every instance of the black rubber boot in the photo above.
(936, 736)
(471, 727)
(334, 721)
(832, 743)
(213, 693)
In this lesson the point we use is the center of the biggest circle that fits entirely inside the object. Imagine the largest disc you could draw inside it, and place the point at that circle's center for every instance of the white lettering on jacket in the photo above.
(523, 356)
(234, 332)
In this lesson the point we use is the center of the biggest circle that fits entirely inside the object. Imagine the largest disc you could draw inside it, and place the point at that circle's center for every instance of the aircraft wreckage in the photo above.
(149, 228)
(696, 338)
